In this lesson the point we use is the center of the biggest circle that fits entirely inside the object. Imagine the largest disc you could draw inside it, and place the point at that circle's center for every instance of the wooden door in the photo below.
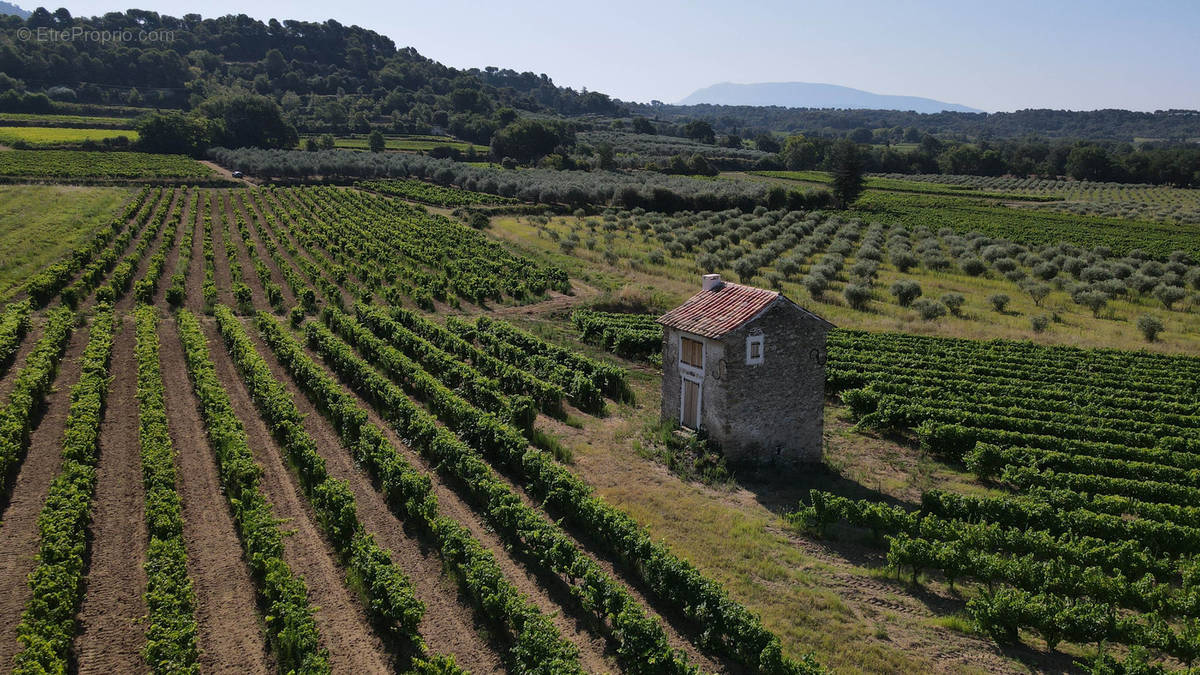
(690, 416)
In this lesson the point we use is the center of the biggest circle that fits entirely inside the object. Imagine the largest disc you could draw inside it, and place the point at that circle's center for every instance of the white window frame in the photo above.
(750, 342)
(687, 369)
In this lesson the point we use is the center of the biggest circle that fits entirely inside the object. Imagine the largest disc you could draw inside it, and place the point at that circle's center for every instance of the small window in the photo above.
(691, 352)
(754, 350)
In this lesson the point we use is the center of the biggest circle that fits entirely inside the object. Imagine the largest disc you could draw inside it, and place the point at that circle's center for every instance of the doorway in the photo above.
(690, 413)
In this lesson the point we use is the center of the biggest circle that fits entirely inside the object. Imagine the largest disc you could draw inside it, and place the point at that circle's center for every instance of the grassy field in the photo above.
(39, 223)
(30, 119)
(70, 164)
(407, 143)
(47, 137)
(963, 214)
(893, 184)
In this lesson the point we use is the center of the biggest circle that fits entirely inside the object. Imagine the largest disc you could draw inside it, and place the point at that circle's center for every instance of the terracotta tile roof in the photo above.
(714, 313)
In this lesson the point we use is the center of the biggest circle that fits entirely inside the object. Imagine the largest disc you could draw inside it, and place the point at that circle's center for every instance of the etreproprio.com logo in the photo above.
(81, 34)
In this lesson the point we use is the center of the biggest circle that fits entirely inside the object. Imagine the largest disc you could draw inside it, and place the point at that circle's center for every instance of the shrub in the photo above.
(1150, 326)
(857, 296)
(1039, 323)
(904, 260)
(998, 301)
(864, 270)
(953, 302)
(1005, 264)
(816, 285)
(929, 309)
(905, 291)
(972, 266)
(1045, 271)
(1092, 299)
(1037, 291)
(1169, 295)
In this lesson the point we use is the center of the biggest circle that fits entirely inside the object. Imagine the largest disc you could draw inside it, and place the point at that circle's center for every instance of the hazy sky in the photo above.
(1006, 55)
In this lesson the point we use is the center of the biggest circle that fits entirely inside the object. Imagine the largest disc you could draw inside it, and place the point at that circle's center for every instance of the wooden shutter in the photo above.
(692, 352)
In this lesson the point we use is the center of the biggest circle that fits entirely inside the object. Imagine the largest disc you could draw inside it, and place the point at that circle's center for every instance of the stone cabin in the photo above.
(746, 366)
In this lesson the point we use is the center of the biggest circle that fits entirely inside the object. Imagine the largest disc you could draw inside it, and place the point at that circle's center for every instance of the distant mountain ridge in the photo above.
(9, 8)
(814, 95)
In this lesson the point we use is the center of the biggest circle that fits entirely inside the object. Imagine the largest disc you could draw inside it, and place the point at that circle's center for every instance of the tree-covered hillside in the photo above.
(1114, 125)
(326, 76)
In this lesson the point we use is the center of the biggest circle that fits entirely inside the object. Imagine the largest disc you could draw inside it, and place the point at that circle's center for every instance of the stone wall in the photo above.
(772, 412)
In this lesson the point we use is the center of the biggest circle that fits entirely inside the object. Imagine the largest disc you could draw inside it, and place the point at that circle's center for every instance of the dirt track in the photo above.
(230, 635)
(345, 630)
(110, 636)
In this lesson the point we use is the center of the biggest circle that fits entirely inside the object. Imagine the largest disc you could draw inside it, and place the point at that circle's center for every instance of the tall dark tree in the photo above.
(247, 120)
(376, 141)
(173, 133)
(846, 168)
(528, 140)
(700, 130)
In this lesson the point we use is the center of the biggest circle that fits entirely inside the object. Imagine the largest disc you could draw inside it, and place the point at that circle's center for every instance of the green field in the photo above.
(968, 214)
(40, 223)
(407, 143)
(23, 119)
(894, 184)
(105, 165)
(58, 136)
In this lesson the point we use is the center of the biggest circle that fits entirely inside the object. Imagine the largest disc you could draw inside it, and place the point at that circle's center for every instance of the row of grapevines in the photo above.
(101, 264)
(638, 637)
(177, 291)
(434, 195)
(538, 646)
(29, 392)
(608, 378)
(145, 288)
(1120, 412)
(43, 286)
(48, 622)
(390, 596)
(292, 629)
(1126, 556)
(1057, 618)
(170, 598)
(580, 389)
(208, 288)
(241, 292)
(988, 461)
(14, 324)
(512, 380)
(730, 628)
(633, 336)
(482, 392)
(272, 290)
(306, 296)
(122, 275)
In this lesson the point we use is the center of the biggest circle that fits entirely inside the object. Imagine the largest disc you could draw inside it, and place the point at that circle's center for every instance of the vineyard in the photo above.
(1093, 536)
(76, 164)
(326, 476)
(434, 195)
(326, 429)
(1119, 200)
